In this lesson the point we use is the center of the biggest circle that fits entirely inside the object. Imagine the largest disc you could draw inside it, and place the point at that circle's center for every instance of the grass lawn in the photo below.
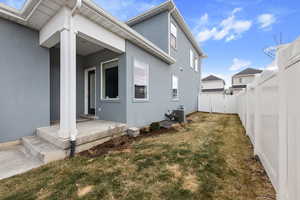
(209, 158)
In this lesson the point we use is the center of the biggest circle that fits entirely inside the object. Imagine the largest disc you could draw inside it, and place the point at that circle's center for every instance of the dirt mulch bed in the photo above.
(123, 142)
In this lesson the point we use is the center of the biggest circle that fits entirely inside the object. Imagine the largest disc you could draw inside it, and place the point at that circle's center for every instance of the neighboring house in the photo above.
(213, 84)
(241, 79)
(61, 59)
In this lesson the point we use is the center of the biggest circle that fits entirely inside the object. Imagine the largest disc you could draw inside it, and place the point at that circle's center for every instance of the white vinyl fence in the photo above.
(217, 103)
(269, 110)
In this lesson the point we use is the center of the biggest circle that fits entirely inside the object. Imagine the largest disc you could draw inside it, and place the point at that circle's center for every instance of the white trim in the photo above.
(177, 98)
(101, 81)
(86, 89)
(135, 100)
(169, 33)
(192, 59)
(196, 64)
(176, 36)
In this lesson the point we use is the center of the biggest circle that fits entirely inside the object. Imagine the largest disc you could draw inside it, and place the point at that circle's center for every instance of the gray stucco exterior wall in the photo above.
(160, 81)
(156, 30)
(113, 110)
(189, 79)
(24, 81)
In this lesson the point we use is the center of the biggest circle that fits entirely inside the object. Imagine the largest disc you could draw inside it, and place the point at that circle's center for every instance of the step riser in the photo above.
(65, 144)
(32, 151)
(45, 157)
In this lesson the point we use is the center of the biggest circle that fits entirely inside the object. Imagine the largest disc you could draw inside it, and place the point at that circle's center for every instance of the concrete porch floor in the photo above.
(89, 132)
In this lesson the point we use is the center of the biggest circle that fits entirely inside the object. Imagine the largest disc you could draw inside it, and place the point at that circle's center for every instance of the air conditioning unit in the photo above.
(180, 114)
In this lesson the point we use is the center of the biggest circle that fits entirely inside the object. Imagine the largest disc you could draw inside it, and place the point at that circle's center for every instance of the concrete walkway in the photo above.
(14, 160)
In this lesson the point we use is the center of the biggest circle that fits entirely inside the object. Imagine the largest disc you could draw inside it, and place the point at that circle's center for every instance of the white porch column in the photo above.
(68, 84)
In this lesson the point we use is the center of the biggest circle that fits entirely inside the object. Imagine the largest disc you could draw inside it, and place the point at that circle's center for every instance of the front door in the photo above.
(91, 92)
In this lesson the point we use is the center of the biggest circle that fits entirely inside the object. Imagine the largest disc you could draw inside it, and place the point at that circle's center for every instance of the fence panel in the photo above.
(267, 135)
(251, 114)
(205, 103)
(218, 103)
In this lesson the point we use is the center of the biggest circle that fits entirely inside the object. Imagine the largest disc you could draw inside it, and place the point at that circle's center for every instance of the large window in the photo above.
(173, 36)
(141, 80)
(110, 80)
(175, 93)
(191, 58)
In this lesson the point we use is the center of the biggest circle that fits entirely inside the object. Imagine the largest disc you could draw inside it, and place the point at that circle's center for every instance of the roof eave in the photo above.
(171, 7)
(134, 36)
(166, 6)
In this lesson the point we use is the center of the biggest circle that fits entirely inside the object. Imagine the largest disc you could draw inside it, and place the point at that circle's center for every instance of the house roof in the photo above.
(169, 6)
(212, 78)
(248, 71)
(36, 13)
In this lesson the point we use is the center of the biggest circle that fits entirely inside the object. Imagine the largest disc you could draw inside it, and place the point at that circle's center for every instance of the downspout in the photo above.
(74, 135)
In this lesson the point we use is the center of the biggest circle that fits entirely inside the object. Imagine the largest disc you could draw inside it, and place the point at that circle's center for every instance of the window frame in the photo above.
(174, 36)
(192, 59)
(172, 88)
(196, 62)
(102, 92)
(137, 100)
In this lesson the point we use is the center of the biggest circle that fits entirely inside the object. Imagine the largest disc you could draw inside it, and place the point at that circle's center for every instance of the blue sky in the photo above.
(233, 33)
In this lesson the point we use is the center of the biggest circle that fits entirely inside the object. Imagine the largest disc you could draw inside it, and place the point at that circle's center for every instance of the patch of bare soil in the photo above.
(122, 143)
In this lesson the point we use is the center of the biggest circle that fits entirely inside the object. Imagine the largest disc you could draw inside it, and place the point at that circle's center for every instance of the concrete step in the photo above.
(42, 149)
(88, 132)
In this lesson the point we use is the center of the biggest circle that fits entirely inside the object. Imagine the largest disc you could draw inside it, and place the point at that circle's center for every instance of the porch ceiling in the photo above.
(84, 47)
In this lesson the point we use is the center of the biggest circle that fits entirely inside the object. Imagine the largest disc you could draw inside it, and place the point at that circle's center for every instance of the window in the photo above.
(141, 80)
(240, 80)
(173, 36)
(191, 59)
(196, 65)
(110, 80)
(175, 94)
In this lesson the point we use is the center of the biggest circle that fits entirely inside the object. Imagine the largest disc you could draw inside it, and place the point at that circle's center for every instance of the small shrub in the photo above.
(155, 126)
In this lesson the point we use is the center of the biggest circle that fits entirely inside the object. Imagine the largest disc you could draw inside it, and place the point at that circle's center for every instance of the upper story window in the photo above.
(110, 80)
(141, 80)
(173, 36)
(196, 64)
(191, 58)
(240, 80)
(175, 87)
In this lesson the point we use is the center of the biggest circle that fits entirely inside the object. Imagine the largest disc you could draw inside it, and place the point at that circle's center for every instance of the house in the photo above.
(213, 84)
(241, 79)
(62, 60)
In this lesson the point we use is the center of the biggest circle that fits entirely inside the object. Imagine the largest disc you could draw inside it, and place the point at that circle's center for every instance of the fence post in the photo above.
(257, 117)
(282, 118)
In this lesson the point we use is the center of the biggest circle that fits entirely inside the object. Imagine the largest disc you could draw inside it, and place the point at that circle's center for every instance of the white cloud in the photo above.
(203, 19)
(126, 9)
(229, 28)
(13, 3)
(206, 34)
(239, 64)
(266, 20)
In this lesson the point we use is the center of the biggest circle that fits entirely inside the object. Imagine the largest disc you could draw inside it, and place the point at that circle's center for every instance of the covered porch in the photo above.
(80, 52)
